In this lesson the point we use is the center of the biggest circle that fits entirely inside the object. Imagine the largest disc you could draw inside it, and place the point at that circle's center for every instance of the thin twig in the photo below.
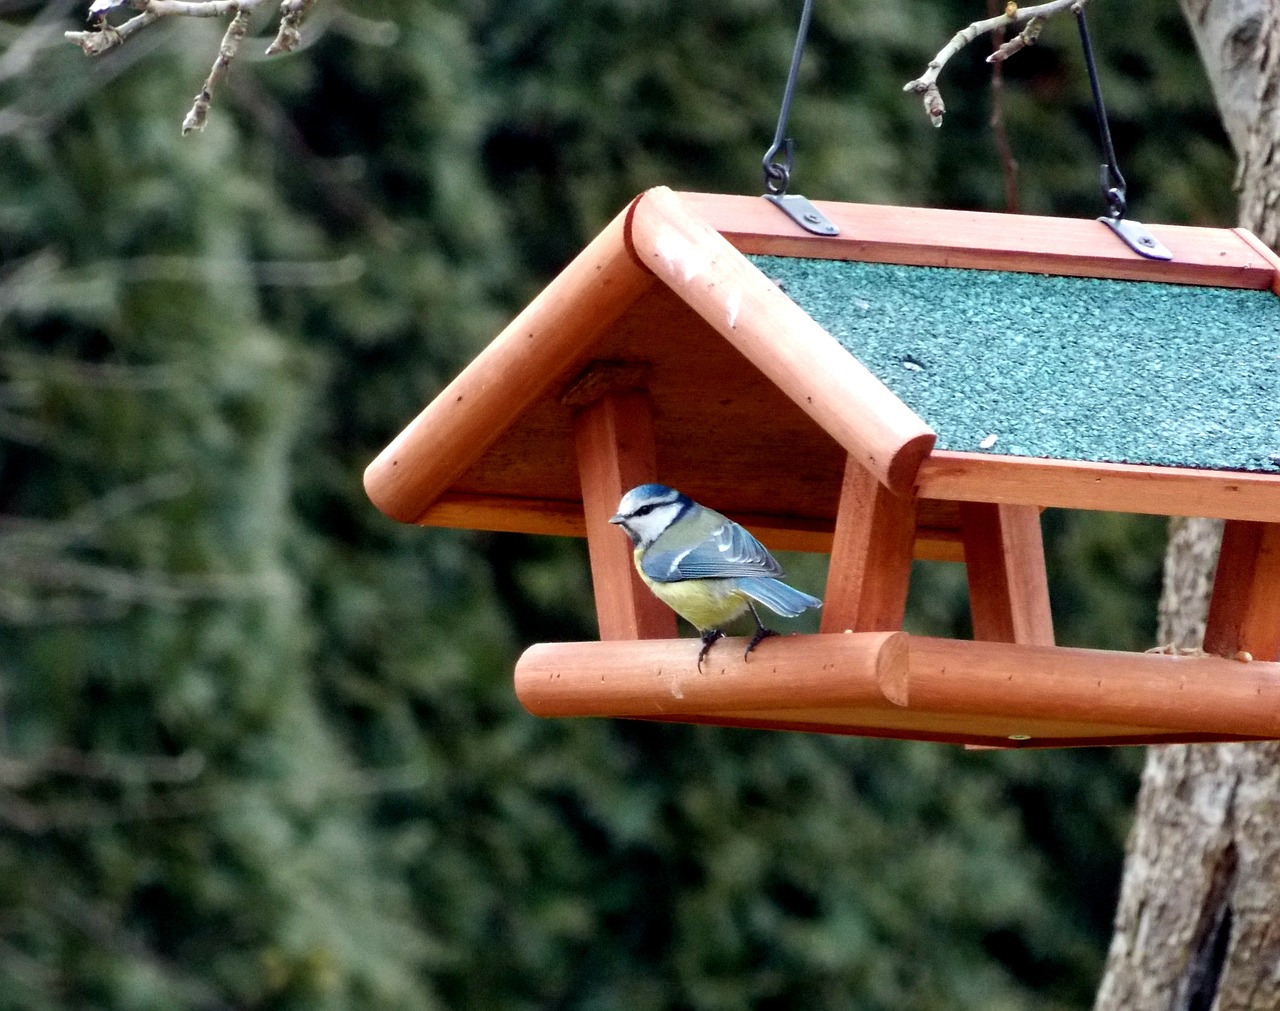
(109, 36)
(199, 114)
(926, 85)
(200, 8)
(1027, 37)
(288, 38)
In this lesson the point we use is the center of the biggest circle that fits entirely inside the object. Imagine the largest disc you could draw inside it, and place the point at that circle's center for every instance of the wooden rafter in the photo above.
(557, 329)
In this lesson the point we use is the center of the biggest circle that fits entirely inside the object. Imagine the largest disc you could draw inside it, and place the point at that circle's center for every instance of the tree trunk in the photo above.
(1198, 923)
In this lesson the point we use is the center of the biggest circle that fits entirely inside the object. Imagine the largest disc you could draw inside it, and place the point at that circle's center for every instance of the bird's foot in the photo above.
(708, 637)
(759, 637)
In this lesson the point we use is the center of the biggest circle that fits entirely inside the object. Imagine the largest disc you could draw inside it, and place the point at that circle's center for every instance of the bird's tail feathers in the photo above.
(777, 597)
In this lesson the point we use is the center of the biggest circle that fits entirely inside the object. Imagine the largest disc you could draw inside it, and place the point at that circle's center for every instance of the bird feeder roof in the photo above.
(1072, 368)
(968, 356)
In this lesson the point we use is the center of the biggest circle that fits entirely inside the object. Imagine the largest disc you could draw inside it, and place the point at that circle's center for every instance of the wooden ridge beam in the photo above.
(938, 237)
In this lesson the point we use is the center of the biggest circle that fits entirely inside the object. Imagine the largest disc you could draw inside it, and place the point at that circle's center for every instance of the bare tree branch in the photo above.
(926, 85)
(107, 36)
(236, 31)
(289, 37)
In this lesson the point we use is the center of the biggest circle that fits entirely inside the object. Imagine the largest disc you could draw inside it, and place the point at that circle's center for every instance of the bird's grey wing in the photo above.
(728, 550)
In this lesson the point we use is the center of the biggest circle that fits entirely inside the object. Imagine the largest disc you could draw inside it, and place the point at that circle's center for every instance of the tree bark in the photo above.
(1198, 922)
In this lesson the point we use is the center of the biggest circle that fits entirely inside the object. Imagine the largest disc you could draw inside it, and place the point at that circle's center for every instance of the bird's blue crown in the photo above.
(658, 493)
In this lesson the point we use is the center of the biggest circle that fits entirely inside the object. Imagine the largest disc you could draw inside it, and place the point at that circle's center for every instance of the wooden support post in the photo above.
(615, 446)
(1244, 614)
(1004, 560)
(870, 555)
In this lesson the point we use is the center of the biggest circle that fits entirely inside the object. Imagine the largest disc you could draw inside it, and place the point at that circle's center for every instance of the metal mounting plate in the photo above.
(803, 213)
(1137, 238)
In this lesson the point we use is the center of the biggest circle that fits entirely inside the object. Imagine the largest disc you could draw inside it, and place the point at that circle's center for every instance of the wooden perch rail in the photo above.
(1193, 694)
(660, 676)
(894, 684)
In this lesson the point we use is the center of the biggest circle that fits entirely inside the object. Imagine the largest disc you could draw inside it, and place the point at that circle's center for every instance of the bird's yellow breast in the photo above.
(704, 603)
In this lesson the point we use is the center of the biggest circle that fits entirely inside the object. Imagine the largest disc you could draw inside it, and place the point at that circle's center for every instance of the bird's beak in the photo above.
(618, 518)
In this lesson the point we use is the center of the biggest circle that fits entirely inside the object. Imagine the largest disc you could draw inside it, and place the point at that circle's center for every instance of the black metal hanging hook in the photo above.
(777, 173)
(1113, 184)
(1114, 188)
(779, 159)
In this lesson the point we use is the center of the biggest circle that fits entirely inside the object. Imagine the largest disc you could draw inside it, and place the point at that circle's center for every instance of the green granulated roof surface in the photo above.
(1063, 367)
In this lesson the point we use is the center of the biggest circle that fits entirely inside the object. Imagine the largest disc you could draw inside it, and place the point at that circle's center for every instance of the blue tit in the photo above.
(705, 567)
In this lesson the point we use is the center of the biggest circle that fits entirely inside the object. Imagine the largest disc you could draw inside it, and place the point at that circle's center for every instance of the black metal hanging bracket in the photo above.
(1132, 233)
(780, 157)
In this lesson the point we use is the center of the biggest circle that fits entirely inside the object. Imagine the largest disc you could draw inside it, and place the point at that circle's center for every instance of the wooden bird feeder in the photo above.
(920, 385)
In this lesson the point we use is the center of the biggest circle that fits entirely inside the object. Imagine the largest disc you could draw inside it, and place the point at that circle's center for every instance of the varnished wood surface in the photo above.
(1264, 251)
(934, 689)
(1008, 582)
(1244, 612)
(1114, 487)
(937, 536)
(871, 555)
(661, 676)
(615, 453)
(1175, 693)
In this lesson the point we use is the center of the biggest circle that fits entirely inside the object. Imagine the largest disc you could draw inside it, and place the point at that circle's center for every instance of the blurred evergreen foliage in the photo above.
(259, 747)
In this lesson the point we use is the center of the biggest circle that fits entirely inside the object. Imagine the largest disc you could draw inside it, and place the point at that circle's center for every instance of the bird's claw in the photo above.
(708, 637)
(760, 635)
